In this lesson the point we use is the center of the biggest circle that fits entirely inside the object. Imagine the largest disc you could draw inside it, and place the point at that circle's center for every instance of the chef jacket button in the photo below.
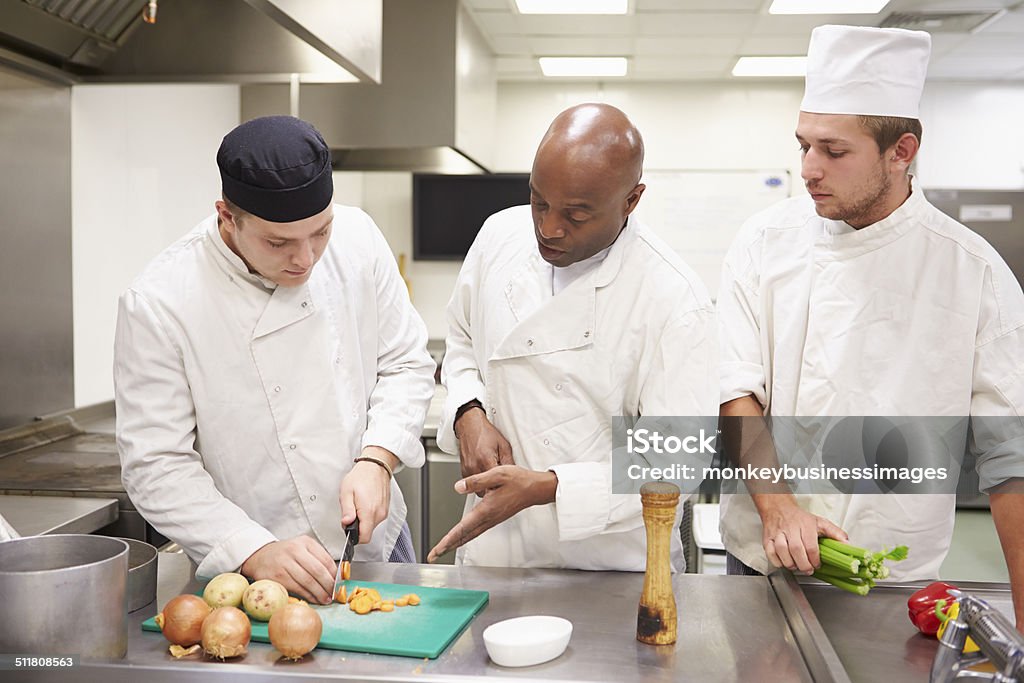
(529, 342)
(291, 446)
(305, 303)
(277, 388)
(494, 411)
(586, 334)
(547, 442)
(312, 498)
(558, 387)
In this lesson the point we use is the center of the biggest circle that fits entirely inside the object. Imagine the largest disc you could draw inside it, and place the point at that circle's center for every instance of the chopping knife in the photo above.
(351, 539)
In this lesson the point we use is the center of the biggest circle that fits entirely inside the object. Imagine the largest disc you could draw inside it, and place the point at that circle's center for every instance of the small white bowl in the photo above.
(525, 641)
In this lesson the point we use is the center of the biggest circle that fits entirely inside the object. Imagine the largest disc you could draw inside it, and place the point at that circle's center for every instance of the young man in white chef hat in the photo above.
(860, 298)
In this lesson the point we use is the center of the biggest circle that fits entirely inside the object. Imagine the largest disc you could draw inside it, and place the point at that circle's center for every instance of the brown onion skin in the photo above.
(226, 633)
(295, 630)
(183, 618)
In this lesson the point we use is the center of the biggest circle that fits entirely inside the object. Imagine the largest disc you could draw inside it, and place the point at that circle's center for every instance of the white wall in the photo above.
(143, 173)
(972, 139)
(684, 126)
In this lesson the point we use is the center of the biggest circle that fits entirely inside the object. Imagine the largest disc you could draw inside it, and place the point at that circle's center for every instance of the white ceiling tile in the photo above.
(943, 43)
(686, 45)
(510, 45)
(985, 45)
(974, 68)
(561, 24)
(698, 5)
(700, 39)
(694, 24)
(555, 46)
(1011, 22)
(945, 5)
(770, 46)
(803, 24)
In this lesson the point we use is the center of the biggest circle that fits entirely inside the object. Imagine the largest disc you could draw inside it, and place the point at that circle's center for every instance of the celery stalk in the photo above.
(838, 559)
(854, 569)
(850, 585)
(846, 549)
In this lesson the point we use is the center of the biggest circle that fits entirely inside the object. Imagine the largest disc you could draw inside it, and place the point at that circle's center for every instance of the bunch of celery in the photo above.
(854, 569)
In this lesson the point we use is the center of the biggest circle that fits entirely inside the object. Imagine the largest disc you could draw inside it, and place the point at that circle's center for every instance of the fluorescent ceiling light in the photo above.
(770, 66)
(827, 6)
(583, 66)
(572, 6)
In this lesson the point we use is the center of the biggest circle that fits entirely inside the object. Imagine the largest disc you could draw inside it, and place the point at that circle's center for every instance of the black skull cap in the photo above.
(277, 168)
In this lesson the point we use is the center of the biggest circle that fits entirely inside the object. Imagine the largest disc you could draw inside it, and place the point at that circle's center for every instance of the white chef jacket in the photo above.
(634, 336)
(240, 406)
(914, 315)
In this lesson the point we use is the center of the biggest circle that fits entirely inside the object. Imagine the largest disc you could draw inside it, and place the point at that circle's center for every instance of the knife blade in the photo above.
(351, 532)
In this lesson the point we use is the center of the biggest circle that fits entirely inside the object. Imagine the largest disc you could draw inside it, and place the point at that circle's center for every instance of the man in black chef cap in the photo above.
(271, 374)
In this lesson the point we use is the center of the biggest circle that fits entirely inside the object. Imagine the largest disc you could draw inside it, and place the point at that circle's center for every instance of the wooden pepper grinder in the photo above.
(656, 618)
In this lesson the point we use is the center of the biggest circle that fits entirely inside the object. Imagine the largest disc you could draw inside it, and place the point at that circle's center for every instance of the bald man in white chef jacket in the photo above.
(860, 298)
(567, 313)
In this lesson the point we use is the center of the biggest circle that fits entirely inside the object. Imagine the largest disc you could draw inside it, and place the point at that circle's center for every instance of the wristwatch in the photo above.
(465, 408)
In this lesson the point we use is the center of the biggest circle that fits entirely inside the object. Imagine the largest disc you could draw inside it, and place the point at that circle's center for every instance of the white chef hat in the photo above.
(864, 70)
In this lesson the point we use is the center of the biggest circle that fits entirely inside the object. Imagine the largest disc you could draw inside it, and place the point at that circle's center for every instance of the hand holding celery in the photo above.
(851, 568)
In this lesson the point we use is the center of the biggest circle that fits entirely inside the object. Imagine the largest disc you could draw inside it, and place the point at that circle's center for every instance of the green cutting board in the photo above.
(421, 631)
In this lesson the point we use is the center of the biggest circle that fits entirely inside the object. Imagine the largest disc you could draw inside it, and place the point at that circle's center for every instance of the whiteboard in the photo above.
(698, 213)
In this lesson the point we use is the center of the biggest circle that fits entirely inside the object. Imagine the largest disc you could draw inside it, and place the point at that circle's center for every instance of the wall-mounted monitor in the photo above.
(448, 210)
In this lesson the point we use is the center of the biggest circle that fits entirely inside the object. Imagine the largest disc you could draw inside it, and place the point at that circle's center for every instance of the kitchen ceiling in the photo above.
(700, 40)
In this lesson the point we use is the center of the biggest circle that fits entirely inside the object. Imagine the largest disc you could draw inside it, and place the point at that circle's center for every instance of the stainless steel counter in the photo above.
(730, 629)
(34, 515)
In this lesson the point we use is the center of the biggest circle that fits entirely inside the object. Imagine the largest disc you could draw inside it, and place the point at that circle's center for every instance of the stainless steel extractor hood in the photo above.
(242, 41)
(434, 109)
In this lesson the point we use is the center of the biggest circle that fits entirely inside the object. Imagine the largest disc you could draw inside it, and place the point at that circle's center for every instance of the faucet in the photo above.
(998, 642)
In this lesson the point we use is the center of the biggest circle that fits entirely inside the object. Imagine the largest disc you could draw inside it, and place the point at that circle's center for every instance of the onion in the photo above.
(182, 619)
(225, 590)
(226, 632)
(263, 598)
(295, 630)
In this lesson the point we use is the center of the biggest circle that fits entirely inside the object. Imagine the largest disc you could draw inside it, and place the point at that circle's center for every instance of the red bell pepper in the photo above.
(921, 606)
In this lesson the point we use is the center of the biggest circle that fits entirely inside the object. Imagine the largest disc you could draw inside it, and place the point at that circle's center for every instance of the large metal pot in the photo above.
(64, 594)
(142, 559)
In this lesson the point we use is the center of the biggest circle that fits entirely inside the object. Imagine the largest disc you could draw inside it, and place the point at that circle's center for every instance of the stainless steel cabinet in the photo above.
(411, 483)
(444, 506)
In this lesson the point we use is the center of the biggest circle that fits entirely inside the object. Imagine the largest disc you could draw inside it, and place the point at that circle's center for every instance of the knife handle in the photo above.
(352, 532)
